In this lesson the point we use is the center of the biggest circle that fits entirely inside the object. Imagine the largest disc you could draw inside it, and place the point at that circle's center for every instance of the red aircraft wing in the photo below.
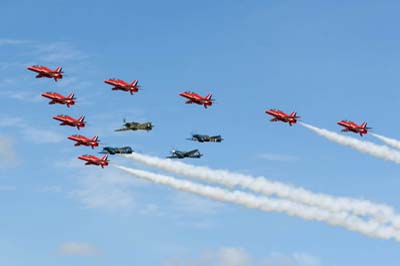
(82, 140)
(123, 85)
(69, 121)
(47, 72)
(91, 159)
(58, 98)
(197, 99)
(354, 127)
(282, 116)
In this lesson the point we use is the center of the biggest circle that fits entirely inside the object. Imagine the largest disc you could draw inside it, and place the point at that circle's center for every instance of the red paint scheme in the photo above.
(282, 116)
(69, 121)
(93, 160)
(123, 85)
(353, 127)
(47, 72)
(197, 99)
(82, 140)
(58, 98)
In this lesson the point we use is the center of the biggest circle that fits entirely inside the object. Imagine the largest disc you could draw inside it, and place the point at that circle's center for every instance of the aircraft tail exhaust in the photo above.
(371, 228)
(379, 151)
(270, 188)
(389, 141)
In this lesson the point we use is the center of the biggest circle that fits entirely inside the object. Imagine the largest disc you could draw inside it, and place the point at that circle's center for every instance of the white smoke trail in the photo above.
(343, 219)
(370, 148)
(389, 141)
(380, 212)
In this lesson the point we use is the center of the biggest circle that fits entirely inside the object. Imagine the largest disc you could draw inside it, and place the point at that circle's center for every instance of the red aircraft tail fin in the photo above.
(104, 158)
(364, 125)
(81, 118)
(71, 96)
(58, 70)
(95, 138)
(134, 83)
(293, 114)
(208, 97)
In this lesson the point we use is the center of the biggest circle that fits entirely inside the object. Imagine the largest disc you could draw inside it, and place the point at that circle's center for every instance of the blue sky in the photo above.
(327, 61)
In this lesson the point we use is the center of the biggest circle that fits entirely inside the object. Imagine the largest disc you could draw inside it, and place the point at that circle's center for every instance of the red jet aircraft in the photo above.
(353, 127)
(197, 99)
(123, 85)
(82, 140)
(69, 121)
(58, 98)
(47, 72)
(282, 116)
(91, 159)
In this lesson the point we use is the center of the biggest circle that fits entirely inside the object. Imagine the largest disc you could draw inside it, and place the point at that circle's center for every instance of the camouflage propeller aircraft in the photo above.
(175, 154)
(206, 138)
(136, 126)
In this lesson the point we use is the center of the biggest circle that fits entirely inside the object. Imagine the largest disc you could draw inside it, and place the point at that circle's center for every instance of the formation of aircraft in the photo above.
(133, 87)
(119, 84)
(135, 126)
(206, 138)
(93, 160)
(282, 116)
(116, 150)
(45, 72)
(353, 127)
(197, 99)
(70, 121)
(175, 154)
(58, 98)
(82, 140)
